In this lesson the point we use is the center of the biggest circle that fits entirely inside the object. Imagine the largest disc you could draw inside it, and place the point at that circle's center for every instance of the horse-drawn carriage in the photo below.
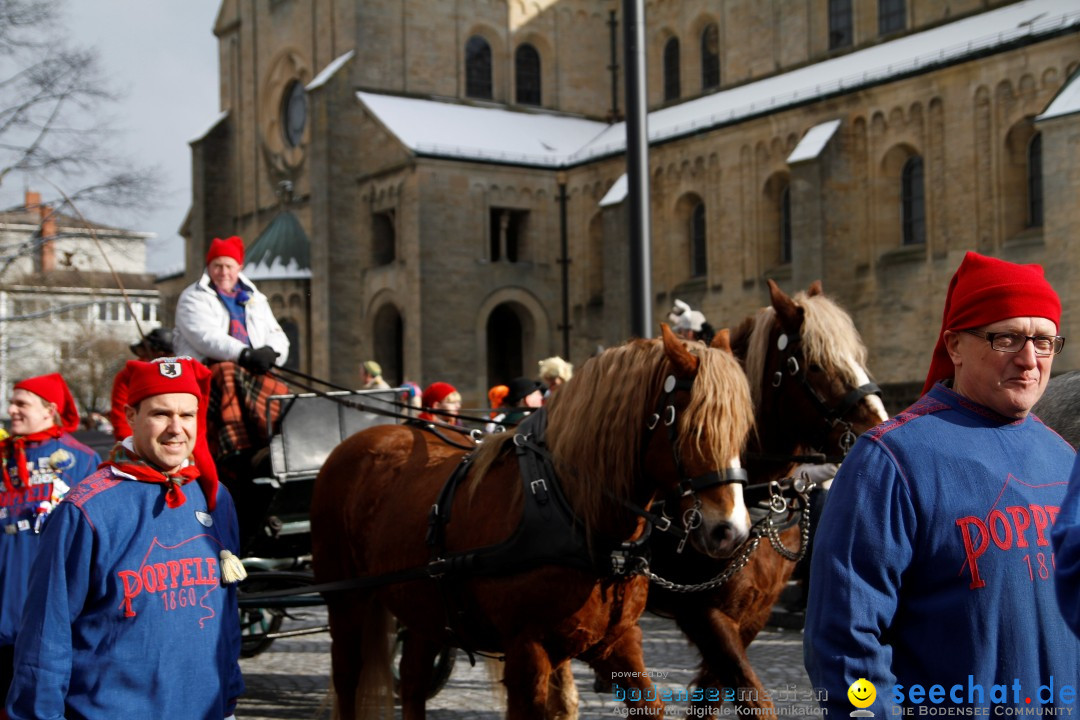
(803, 364)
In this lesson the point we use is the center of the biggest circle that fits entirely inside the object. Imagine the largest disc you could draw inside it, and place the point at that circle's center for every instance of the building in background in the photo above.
(430, 149)
(61, 308)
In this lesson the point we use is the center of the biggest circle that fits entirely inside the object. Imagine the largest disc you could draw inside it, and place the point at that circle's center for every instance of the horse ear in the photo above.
(686, 364)
(722, 340)
(815, 289)
(790, 314)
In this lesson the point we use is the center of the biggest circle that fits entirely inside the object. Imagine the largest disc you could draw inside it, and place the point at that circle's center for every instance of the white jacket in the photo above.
(202, 324)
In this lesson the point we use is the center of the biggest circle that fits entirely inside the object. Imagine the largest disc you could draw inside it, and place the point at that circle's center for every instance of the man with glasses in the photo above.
(932, 574)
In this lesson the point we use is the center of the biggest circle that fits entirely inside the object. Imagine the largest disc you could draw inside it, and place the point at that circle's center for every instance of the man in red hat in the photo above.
(932, 572)
(39, 462)
(223, 316)
(132, 610)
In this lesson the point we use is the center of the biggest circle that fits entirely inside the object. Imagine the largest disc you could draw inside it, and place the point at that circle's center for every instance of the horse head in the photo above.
(651, 419)
(703, 412)
(807, 368)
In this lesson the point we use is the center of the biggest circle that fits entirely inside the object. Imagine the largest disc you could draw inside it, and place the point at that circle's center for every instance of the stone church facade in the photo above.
(445, 161)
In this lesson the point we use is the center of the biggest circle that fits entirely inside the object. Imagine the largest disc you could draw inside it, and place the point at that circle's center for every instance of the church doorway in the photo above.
(506, 339)
(389, 337)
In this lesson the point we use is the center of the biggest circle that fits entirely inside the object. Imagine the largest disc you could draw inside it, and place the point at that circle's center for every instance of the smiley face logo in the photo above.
(862, 693)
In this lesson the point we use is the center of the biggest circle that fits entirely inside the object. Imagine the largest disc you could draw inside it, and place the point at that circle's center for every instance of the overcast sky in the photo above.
(162, 56)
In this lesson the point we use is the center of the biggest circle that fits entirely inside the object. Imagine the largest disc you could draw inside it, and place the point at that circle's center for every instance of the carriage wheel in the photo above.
(258, 622)
(444, 665)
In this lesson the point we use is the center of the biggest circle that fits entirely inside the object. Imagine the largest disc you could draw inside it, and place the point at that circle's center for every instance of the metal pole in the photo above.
(564, 260)
(637, 169)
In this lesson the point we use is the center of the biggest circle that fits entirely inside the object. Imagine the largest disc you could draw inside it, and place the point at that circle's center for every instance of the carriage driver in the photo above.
(932, 569)
(132, 607)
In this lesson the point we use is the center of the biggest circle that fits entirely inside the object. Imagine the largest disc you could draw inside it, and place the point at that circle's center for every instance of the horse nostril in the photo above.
(723, 532)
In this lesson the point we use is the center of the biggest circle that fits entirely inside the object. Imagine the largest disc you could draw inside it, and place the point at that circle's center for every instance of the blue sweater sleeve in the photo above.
(1066, 539)
(864, 542)
(58, 587)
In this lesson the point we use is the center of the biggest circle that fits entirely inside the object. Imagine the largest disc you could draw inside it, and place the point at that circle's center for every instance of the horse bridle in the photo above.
(688, 486)
(832, 416)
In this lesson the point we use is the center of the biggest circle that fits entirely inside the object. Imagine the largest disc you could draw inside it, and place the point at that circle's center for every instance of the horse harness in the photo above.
(832, 416)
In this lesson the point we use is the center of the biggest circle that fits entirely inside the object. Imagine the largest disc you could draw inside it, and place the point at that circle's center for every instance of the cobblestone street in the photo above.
(290, 680)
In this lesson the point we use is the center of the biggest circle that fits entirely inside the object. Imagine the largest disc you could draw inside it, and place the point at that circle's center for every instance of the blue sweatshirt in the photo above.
(932, 564)
(127, 615)
(54, 466)
(1066, 537)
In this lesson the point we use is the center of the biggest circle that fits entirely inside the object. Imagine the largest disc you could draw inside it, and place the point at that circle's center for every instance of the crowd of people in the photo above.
(955, 525)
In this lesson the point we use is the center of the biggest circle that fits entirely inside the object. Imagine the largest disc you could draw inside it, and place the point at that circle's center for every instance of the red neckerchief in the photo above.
(128, 462)
(18, 442)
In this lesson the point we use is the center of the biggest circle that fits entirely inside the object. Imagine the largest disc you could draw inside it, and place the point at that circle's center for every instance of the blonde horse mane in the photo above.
(597, 421)
(829, 339)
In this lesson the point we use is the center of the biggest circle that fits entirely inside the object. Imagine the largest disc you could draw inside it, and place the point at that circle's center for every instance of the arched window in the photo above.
(478, 68)
(527, 75)
(710, 57)
(698, 255)
(672, 84)
(785, 224)
(913, 202)
(1034, 182)
(840, 24)
(890, 16)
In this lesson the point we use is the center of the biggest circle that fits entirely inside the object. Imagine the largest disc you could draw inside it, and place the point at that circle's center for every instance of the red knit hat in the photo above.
(52, 388)
(230, 247)
(179, 375)
(436, 392)
(985, 290)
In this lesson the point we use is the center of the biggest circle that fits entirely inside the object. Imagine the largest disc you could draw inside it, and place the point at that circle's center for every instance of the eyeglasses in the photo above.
(1011, 342)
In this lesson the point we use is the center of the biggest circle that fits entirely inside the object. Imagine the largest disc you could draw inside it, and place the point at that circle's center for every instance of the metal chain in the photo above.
(748, 549)
(736, 565)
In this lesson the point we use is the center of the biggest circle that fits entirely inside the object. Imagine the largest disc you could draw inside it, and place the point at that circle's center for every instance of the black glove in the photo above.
(257, 360)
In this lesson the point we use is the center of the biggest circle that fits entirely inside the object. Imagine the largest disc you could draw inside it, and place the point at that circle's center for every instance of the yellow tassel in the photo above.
(232, 570)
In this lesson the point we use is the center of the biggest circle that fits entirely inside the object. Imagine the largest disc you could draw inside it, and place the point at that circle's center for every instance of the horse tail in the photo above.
(362, 678)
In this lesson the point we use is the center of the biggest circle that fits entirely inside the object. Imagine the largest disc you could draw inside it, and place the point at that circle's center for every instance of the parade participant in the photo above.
(40, 461)
(522, 397)
(223, 316)
(440, 396)
(496, 394)
(132, 608)
(1066, 540)
(932, 563)
(554, 372)
(371, 376)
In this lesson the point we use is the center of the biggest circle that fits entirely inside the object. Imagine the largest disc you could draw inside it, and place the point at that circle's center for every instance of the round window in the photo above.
(294, 113)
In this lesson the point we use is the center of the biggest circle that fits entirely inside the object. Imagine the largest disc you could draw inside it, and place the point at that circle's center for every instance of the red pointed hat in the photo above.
(179, 375)
(437, 392)
(230, 247)
(52, 388)
(985, 290)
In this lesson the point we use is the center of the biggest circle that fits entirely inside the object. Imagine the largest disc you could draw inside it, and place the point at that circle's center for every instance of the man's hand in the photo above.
(257, 360)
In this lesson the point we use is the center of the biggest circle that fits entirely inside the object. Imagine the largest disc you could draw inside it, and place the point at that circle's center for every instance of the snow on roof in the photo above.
(277, 271)
(813, 142)
(438, 128)
(217, 121)
(545, 139)
(617, 193)
(1066, 102)
(329, 70)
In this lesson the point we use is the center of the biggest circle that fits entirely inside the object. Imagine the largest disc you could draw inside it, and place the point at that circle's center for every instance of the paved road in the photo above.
(290, 680)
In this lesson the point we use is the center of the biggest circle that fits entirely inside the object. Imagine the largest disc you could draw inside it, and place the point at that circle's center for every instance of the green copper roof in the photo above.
(281, 250)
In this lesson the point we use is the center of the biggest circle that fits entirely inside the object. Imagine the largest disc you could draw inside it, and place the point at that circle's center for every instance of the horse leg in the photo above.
(623, 662)
(418, 655)
(562, 701)
(359, 656)
(724, 662)
(526, 676)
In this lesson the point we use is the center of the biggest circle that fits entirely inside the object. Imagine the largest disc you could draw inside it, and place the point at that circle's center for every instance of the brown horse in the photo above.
(643, 419)
(806, 366)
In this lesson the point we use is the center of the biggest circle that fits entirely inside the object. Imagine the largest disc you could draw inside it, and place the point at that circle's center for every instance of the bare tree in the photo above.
(53, 113)
(89, 370)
